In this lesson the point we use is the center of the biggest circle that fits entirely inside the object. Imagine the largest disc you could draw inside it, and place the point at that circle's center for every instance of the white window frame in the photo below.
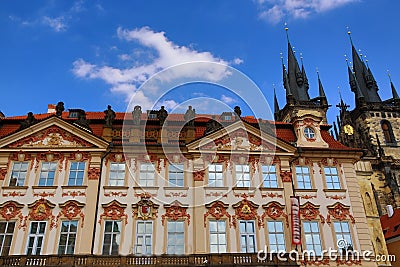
(146, 174)
(177, 236)
(215, 175)
(115, 172)
(19, 173)
(312, 237)
(6, 235)
(69, 234)
(300, 177)
(332, 179)
(309, 133)
(276, 232)
(174, 173)
(269, 176)
(36, 236)
(75, 174)
(342, 233)
(247, 236)
(114, 235)
(218, 233)
(243, 175)
(145, 248)
(47, 170)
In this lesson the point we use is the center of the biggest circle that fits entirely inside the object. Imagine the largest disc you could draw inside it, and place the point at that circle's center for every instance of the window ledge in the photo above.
(176, 188)
(271, 188)
(44, 187)
(116, 187)
(146, 187)
(334, 190)
(216, 188)
(239, 188)
(74, 186)
(306, 190)
(14, 187)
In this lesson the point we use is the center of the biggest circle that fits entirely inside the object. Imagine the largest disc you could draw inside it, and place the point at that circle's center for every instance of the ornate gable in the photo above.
(240, 137)
(52, 133)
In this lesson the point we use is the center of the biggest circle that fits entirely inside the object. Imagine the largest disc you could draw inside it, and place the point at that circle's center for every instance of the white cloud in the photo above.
(237, 61)
(275, 11)
(126, 81)
(57, 24)
(227, 99)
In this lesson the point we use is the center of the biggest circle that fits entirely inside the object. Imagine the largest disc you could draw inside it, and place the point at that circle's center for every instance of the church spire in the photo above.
(320, 87)
(297, 77)
(363, 76)
(394, 92)
(276, 105)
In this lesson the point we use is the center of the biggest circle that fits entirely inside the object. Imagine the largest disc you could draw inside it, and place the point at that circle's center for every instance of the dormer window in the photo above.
(227, 117)
(309, 133)
(152, 116)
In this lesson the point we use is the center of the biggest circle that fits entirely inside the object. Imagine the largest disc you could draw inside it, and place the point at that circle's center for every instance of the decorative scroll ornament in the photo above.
(309, 212)
(246, 210)
(10, 210)
(175, 211)
(339, 212)
(94, 173)
(41, 210)
(286, 176)
(3, 173)
(71, 209)
(217, 210)
(274, 210)
(114, 211)
(198, 175)
(145, 209)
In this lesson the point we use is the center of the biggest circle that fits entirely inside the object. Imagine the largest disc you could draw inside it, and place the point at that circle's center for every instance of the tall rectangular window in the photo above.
(76, 173)
(175, 176)
(47, 173)
(269, 176)
(112, 236)
(144, 236)
(303, 177)
(117, 174)
(217, 236)
(312, 237)
(332, 178)
(215, 175)
(242, 175)
(18, 173)
(6, 235)
(175, 237)
(247, 237)
(36, 238)
(343, 235)
(67, 237)
(146, 176)
(276, 236)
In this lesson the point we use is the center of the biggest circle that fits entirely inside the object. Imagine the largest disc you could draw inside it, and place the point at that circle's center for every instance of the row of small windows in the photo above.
(175, 236)
(175, 175)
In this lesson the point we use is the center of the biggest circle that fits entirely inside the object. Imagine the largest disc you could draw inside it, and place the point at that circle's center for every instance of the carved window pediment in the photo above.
(218, 210)
(274, 210)
(175, 211)
(310, 211)
(114, 211)
(10, 209)
(41, 210)
(339, 212)
(246, 210)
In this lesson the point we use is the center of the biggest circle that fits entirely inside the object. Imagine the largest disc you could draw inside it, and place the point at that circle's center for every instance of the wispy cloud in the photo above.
(58, 24)
(126, 81)
(58, 21)
(227, 99)
(274, 11)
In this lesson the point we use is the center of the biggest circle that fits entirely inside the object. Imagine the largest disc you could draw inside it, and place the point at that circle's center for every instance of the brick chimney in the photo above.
(51, 108)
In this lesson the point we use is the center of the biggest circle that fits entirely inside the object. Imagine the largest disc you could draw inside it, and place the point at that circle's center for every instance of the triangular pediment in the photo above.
(53, 133)
(240, 137)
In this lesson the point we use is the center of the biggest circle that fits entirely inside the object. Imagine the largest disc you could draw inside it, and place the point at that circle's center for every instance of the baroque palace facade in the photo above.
(122, 189)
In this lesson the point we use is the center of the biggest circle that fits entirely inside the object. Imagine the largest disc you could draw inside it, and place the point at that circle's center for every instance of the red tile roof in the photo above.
(284, 130)
(391, 225)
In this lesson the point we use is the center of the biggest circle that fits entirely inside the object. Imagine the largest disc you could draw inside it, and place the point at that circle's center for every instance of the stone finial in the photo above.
(59, 109)
(109, 116)
(136, 115)
(189, 116)
(162, 115)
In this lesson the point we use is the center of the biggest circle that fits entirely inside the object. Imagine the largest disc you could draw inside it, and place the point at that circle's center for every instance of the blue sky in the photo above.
(92, 53)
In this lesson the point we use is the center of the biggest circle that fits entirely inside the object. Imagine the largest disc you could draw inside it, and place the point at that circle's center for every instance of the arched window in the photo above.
(388, 132)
